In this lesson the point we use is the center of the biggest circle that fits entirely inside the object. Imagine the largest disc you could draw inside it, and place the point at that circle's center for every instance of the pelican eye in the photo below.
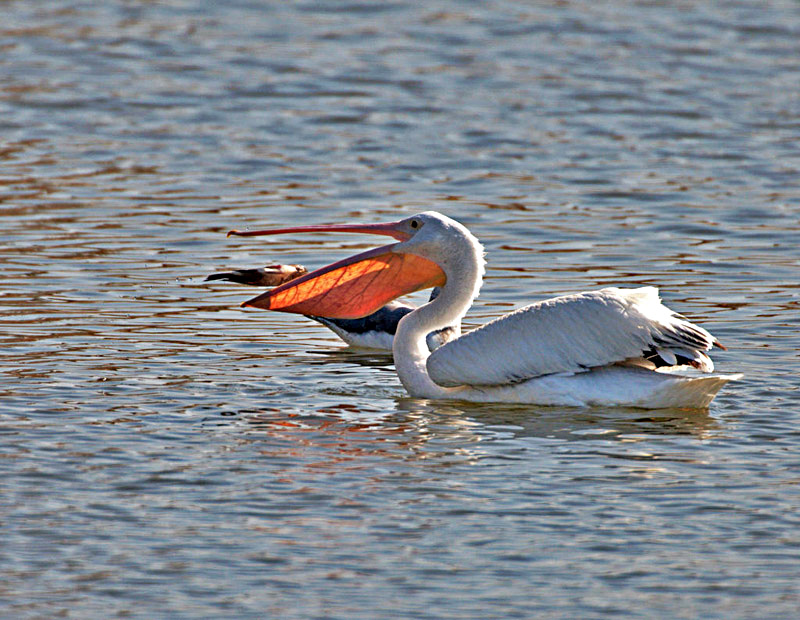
(415, 224)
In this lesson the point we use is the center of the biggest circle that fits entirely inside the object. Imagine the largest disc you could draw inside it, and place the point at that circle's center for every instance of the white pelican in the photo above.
(374, 331)
(608, 347)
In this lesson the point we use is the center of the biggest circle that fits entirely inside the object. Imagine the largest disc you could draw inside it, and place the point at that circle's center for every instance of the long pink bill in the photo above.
(391, 229)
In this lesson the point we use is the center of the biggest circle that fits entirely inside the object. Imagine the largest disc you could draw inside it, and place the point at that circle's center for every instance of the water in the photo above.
(166, 453)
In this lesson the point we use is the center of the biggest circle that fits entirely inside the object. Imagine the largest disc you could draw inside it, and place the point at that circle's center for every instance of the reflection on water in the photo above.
(165, 452)
(588, 424)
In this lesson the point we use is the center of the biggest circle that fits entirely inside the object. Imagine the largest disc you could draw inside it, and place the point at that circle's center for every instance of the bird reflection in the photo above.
(575, 423)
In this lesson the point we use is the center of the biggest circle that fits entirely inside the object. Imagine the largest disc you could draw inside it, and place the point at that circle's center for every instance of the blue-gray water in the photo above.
(166, 454)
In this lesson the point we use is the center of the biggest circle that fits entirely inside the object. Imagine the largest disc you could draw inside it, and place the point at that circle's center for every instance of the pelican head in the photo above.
(430, 248)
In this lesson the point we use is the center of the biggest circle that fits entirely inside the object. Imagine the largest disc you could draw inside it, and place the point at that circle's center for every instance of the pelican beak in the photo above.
(354, 287)
(392, 229)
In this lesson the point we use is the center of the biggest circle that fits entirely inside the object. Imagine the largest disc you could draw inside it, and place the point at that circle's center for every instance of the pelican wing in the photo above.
(570, 334)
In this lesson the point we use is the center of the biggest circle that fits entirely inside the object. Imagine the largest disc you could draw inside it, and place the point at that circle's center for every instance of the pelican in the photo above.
(609, 347)
(374, 331)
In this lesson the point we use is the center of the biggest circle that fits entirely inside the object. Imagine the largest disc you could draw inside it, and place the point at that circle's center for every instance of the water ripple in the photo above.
(166, 452)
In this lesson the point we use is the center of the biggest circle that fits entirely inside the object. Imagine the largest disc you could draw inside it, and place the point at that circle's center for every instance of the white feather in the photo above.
(568, 334)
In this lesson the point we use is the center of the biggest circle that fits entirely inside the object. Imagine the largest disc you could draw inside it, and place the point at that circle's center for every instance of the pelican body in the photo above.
(613, 346)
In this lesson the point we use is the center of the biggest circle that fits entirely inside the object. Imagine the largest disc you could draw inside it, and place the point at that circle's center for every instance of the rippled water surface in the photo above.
(166, 453)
